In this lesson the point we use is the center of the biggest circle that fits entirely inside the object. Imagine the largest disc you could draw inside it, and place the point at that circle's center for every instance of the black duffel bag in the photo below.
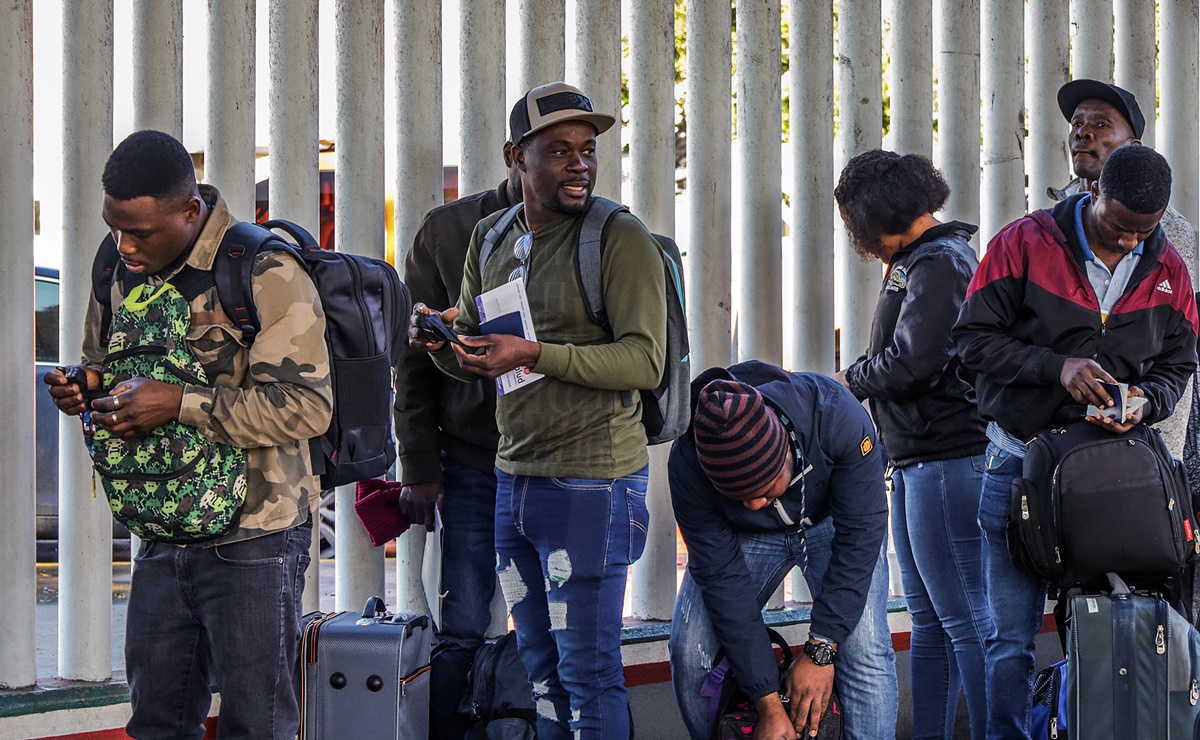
(1089, 502)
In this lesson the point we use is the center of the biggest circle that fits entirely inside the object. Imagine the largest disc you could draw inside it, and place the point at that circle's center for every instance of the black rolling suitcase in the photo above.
(1133, 666)
(365, 675)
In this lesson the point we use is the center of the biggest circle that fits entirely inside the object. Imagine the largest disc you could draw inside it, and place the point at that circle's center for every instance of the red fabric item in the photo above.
(376, 503)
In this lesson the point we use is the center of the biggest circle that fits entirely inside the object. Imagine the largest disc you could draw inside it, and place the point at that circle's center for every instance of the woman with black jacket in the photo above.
(928, 423)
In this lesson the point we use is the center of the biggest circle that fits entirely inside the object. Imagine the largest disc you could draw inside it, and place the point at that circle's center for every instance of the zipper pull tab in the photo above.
(1160, 644)
(1057, 556)
(1195, 693)
(1053, 728)
(1171, 505)
(1025, 507)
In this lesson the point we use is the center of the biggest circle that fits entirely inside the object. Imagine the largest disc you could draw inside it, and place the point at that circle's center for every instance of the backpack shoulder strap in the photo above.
(591, 249)
(497, 232)
(105, 269)
(232, 272)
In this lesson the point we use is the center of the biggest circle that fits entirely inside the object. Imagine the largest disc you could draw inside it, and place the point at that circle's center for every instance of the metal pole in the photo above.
(418, 188)
(1134, 56)
(18, 577)
(598, 60)
(810, 76)
(1047, 164)
(860, 129)
(294, 178)
(229, 148)
(707, 267)
(358, 202)
(652, 170)
(1003, 81)
(158, 66)
(483, 124)
(542, 42)
(911, 76)
(758, 258)
(1092, 39)
(84, 520)
(1177, 135)
(957, 147)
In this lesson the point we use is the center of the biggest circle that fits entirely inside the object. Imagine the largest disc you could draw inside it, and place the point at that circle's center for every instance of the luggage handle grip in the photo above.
(1117, 585)
(374, 608)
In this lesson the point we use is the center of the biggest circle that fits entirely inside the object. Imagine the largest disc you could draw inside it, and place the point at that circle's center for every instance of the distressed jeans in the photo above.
(226, 613)
(563, 551)
(935, 527)
(1016, 603)
(865, 671)
(468, 580)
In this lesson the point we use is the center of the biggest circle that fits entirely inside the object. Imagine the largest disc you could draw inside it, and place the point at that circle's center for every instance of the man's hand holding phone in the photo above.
(428, 329)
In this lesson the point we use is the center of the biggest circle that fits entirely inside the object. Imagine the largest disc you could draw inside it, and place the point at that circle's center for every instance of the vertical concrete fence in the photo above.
(745, 184)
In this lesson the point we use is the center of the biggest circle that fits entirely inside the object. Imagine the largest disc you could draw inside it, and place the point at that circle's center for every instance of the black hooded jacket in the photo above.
(920, 395)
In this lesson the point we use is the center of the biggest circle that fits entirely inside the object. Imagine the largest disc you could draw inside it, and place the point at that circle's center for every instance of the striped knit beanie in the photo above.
(741, 443)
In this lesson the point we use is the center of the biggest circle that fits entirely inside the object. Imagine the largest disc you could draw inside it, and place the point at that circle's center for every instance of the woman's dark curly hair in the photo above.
(881, 193)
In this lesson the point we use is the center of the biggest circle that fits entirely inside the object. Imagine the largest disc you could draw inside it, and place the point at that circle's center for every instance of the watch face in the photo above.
(820, 653)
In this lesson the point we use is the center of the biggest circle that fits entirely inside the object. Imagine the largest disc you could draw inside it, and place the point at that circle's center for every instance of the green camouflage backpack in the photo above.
(173, 484)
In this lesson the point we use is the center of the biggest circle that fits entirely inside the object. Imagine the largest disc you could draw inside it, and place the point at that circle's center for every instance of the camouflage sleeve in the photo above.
(288, 396)
(93, 351)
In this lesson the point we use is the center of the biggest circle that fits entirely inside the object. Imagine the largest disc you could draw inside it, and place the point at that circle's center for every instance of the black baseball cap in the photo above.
(1075, 92)
(547, 105)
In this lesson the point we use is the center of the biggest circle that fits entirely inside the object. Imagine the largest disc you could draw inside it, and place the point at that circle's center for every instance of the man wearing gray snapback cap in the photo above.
(572, 466)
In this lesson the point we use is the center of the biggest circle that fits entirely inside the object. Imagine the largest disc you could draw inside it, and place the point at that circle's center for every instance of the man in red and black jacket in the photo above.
(1066, 298)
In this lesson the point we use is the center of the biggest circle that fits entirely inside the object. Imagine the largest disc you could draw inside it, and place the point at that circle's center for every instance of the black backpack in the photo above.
(499, 696)
(1089, 502)
(666, 409)
(366, 318)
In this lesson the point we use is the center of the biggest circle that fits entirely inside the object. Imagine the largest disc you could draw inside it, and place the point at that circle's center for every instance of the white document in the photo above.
(505, 310)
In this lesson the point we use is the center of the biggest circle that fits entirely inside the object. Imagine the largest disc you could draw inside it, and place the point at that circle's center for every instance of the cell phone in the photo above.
(433, 324)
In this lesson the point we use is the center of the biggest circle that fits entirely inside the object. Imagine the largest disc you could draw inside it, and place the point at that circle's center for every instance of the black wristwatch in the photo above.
(820, 653)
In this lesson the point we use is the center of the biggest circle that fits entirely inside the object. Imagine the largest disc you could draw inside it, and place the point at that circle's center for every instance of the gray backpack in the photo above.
(666, 408)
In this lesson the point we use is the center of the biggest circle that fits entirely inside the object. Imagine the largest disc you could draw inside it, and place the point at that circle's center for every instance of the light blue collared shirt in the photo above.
(1108, 286)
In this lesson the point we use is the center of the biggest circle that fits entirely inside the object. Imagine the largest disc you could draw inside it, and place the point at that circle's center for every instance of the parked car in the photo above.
(46, 357)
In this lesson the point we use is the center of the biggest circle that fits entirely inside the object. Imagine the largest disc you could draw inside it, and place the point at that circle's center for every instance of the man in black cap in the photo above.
(782, 470)
(572, 466)
(1103, 118)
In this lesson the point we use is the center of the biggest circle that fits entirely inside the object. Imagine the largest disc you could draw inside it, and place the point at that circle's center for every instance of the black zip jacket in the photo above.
(435, 412)
(1030, 307)
(836, 438)
(921, 400)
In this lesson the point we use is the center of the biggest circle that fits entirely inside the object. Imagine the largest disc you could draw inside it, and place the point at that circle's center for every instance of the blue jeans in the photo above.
(468, 580)
(563, 551)
(865, 669)
(227, 613)
(939, 548)
(1016, 603)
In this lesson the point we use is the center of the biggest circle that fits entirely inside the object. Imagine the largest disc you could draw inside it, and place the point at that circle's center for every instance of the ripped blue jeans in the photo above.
(563, 551)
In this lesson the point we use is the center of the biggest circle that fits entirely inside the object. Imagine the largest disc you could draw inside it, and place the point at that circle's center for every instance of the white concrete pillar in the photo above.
(419, 188)
(707, 268)
(483, 123)
(758, 258)
(358, 203)
(294, 178)
(18, 577)
(957, 150)
(598, 64)
(84, 519)
(860, 88)
(1134, 56)
(1046, 162)
(1003, 84)
(810, 76)
(1092, 39)
(158, 66)
(229, 148)
(911, 77)
(1180, 108)
(652, 171)
(542, 43)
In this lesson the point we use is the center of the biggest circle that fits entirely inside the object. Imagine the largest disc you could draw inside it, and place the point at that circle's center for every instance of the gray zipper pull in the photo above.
(1160, 645)
(1025, 506)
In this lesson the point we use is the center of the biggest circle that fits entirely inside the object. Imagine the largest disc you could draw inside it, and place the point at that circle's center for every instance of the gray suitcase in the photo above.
(365, 675)
(1132, 667)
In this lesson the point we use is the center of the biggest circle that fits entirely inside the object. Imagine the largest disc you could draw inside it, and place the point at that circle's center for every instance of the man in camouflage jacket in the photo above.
(226, 610)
